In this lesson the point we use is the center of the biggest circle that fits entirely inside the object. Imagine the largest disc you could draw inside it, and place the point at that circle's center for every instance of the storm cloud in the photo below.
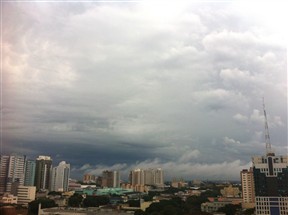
(139, 84)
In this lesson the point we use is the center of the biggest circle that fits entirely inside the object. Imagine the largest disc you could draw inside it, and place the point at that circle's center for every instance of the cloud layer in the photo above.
(121, 85)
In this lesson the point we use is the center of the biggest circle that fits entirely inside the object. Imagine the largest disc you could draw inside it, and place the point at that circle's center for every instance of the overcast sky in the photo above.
(121, 85)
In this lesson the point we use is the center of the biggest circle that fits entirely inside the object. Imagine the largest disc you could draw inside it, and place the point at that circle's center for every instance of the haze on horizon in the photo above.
(122, 85)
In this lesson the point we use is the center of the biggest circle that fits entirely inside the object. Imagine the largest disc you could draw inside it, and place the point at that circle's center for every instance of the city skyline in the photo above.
(129, 85)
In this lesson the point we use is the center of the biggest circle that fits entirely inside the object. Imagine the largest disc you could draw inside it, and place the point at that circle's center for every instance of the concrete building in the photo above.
(178, 183)
(26, 194)
(271, 184)
(43, 172)
(215, 204)
(30, 173)
(12, 173)
(89, 178)
(230, 192)
(147, 177)
(110, 179)
(137, 177)
(8, 199)
(116, 179)
(60, 177)
(4, 164)
(159, 177)
(270, 173)
(248, 190)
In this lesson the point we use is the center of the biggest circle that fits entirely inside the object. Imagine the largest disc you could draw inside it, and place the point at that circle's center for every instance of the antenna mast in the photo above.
(267, 136)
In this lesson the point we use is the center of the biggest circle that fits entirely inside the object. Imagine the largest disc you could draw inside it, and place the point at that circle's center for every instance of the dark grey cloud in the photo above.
(123, 85)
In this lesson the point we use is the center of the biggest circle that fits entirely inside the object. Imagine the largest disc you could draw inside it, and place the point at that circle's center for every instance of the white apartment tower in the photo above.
(159, 181)
(248, 190)
(12, 173)
(60, 177)
(4, 164)
(147, 177)
(116, 179)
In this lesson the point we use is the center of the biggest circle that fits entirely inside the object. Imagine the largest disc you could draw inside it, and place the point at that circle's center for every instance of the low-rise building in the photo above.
(215, 203)
(230, 192)
(8, 199)
(26, 194)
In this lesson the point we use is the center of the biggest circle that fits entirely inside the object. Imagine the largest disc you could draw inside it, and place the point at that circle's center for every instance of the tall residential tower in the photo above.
(12, 172)
(60, 177)
(43, 172)
(147, 177)
(248, 191)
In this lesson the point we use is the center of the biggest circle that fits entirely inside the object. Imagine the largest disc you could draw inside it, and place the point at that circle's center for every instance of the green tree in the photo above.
(139, 212)
(45, 203)
(193, 203)
(134, 203)
(147, 198)
(54, 193)
(95, 201)
(75, 200)
(229, 209)
(171, 210)
(169, 207)
(249, 211)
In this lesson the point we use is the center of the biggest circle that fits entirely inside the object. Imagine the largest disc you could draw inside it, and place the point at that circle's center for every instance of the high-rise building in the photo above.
(89, 178)
(159, 178)
(60, 177)
(147, 177)
(270, 174)
(137, 177)
(248, 191)
(12, 173)
(26, 194)
(116, 179)
(43, 172)
(29, 173)
(110, 179)
(271, 184)
(4, 165)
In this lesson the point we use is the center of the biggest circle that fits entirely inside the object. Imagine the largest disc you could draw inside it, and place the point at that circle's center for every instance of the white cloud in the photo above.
(230, 141)
(189, 155)
(236, 76)
(256, 116)
(240, 118)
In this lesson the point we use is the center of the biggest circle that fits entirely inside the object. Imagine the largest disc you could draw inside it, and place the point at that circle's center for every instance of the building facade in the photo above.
(137, 177)
(12, 173)
(89, 178)
(110, 179)
(4, 164)
(60, 177)
(116, 179)
(248, 190)
(26, 194)
(30, 173)
(271, 184)
(147, 177)
(8, 199)
(43, 172)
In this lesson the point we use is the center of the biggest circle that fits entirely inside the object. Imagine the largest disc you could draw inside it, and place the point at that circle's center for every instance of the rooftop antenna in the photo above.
(267, 136)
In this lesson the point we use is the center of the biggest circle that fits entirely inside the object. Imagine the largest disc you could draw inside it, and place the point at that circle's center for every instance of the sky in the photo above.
(119, 85)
